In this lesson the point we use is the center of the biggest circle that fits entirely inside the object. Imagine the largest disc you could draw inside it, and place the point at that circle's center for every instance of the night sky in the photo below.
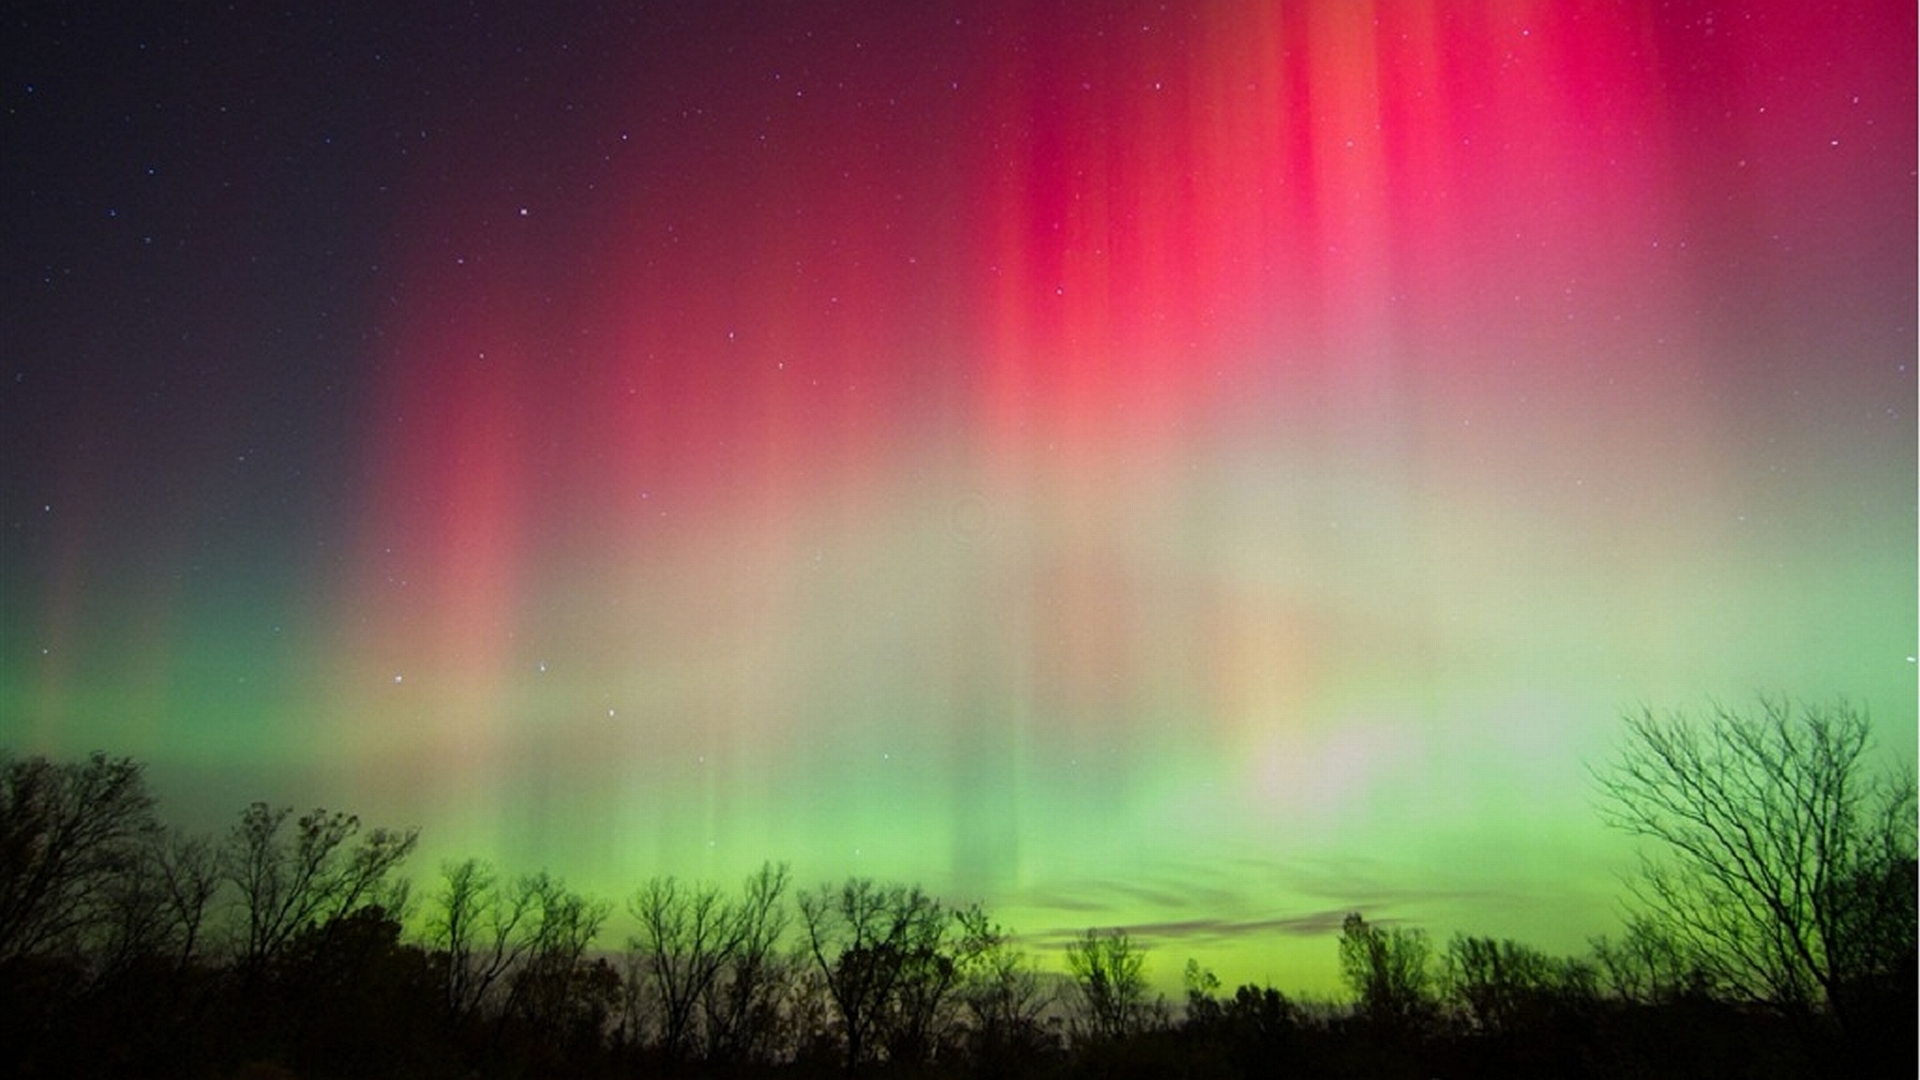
(1203, 468)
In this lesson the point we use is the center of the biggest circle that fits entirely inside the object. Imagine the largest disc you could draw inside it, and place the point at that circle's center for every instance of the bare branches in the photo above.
(1774, 844)
(880, 952)
(1504, 986)
(68, 833)
(687, 935)
(1388, 968)
(478, 926)
(999, 987)
(1109, 970)
(287, 885)
(188, 872)
(553, 987)
(738, 1005)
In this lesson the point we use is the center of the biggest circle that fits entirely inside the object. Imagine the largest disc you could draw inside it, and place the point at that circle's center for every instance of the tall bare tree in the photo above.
(686, 938)
(739, 1007)
(479, 932)
(1782, 862)
(156, 909)
(708, 960)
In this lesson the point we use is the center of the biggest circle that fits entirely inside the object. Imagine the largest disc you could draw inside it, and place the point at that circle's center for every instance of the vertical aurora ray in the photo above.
(1202, 473)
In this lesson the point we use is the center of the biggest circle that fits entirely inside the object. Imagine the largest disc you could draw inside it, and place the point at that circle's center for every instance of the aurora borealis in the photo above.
(1200, 468)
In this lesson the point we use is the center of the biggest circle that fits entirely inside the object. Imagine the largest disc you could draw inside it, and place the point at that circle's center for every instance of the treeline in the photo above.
(282, 948)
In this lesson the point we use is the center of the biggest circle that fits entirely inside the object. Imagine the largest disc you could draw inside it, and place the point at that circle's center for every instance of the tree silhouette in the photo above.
(686, 937)
(154, 908)
(1254, 1028)
(879, 950)
(1503, 986)
(739, 1006)
(479, 931)
(1388, 968)
(289, 885)
(1109, 971)
(70, 837)
(557, 1000)
(106, 974)
(186, 870)
(347, 997)
(1004, 996)
(1647, 966)
(1783, 860)
(556, 930)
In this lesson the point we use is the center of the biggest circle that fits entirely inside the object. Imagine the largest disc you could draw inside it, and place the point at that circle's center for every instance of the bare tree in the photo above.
(1388, 967)
(739, 1007)
(554, 989)
(1109, 971)
(1647, 966)
(156, 908)
(287, 885)
(479, 932)
(1783, 859)
(1003, 994)
(879, 950)
(918, 1024)
(709, 961)
(686, 937)
(133, 922)
(1501, 986)
(187, 871)
(71, 835)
